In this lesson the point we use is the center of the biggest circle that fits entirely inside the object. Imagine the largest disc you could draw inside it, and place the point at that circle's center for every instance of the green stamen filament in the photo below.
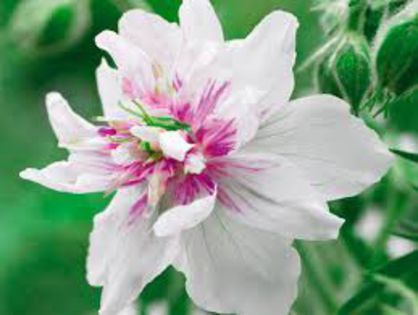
(166, 123)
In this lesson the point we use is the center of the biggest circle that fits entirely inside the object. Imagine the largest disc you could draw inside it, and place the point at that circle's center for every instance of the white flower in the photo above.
(240, 174)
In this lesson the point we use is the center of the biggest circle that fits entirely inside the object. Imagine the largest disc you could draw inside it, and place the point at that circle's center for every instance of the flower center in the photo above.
(172, 147)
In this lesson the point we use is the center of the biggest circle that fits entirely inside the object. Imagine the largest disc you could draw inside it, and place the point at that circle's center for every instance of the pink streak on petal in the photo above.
(182, 111)
(107, 131)
(217, 137)
(188, 188)
(110, 146)
(138, 209)
(177, 83)
(208, 101)
(130, 89)
(227, 201)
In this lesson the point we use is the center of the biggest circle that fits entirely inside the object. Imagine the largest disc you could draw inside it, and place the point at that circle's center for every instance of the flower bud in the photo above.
(397, 56)
(345, 71)
(48, 26)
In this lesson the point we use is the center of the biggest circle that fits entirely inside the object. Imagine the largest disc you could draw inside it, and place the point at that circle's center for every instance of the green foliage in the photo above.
(377, 12)
(397, 58)
(331, 265)
(51, 266)
(49, 25)
(403, 110)
(394, 285)
(407, 226)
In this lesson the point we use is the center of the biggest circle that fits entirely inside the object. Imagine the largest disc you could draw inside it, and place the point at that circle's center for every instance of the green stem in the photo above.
(147, 118)
(357, 15)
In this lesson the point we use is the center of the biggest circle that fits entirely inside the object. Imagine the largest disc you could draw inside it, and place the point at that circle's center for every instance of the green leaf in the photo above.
(407, 226)
(400, 273)
(397, 57)
(330, 273)
(413, 157)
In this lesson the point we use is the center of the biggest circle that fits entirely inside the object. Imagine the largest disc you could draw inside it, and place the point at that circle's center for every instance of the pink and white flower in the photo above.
(215, 171)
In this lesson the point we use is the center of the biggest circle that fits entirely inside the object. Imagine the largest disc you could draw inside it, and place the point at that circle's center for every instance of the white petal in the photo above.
(174, 145)
(184, 217)
(110, 92)
(133, 63)
(65, 176)
(125, 153)
(259, 69)
(262, 63)
(232, 268)
(270, 193)
(72, 131)
(264, 60)
(130, 310)
(199, 22)
(123, 257)
(246, 119)
(337, 152)
(158, 38)
(146, 133)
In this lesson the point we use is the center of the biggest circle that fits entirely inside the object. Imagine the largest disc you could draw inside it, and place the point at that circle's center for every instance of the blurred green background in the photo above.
(47, 45)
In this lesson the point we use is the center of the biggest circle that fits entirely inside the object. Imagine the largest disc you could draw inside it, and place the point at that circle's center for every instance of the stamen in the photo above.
(129, 110)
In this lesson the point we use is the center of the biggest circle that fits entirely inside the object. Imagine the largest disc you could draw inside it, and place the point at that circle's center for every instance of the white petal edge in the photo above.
(64, 176)
(233, 268)
(71, 130)
(338, 153)
(159, 39)
(110, 92)
(271, 49)
(184, 217)
(199, 22)
(131, 61)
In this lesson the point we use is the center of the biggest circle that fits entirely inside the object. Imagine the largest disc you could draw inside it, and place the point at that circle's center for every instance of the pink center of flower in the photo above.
(173, 150)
